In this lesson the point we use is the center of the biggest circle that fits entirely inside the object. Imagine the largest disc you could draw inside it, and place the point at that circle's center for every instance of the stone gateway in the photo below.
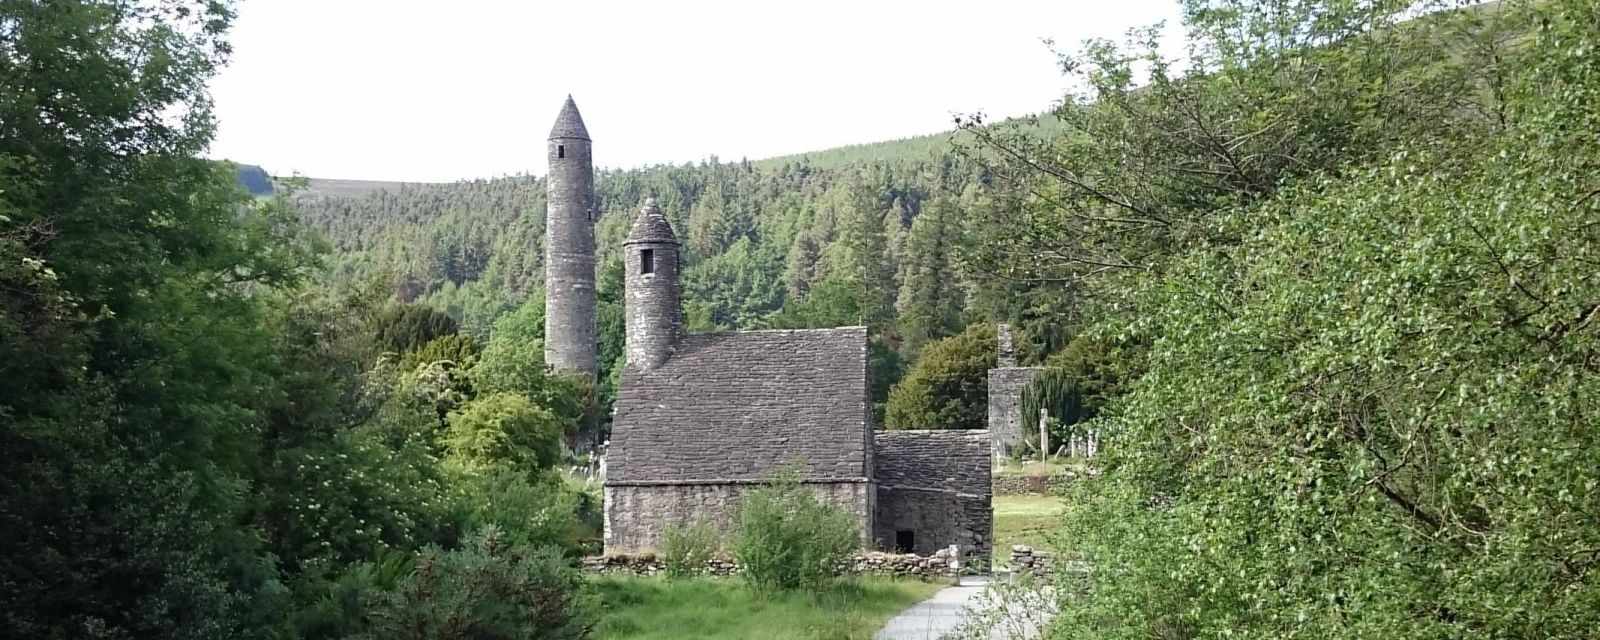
(701, 419)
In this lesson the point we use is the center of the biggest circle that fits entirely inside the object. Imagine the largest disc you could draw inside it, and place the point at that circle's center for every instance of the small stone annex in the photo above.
(700, 419)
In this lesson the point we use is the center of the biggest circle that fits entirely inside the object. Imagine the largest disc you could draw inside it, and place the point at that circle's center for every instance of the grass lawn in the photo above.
(1038, 468)
(1024, 520)
(713, 608)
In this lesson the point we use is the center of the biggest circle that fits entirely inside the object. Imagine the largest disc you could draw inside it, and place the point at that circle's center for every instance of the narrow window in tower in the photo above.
(561, 151)
(647, 261)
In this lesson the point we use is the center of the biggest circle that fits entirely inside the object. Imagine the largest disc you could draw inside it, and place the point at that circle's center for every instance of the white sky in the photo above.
(439, 91)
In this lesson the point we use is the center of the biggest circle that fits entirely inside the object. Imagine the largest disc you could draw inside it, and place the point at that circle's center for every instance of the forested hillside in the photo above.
(781, 244)
(770, 230)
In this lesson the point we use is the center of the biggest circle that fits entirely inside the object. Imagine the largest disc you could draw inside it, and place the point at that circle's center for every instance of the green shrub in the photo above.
(456, 348)
(948, 387)
(404, 327)
(526, 509)
(1373, 414)
(790, 539)
(512, 361)
(334, 606)
(685, 549)
(488, 590)
(503, 430)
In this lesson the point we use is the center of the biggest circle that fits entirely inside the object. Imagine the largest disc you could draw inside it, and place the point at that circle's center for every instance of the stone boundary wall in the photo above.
(867, 563)
(1014, 485)
(1025, 560)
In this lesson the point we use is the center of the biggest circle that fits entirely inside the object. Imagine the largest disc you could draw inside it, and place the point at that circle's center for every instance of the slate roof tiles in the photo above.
(740, 406)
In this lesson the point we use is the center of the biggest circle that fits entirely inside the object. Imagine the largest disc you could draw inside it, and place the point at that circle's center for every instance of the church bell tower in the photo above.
(570, 342)
(655, 321)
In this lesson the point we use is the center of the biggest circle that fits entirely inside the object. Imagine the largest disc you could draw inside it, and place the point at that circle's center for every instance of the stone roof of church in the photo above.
(569, 124)
(651, 226)
(955, 460)
(740, 406)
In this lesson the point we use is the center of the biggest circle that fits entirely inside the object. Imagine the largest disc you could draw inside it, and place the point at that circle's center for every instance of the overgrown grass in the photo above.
(1025, 520)
(716, 608)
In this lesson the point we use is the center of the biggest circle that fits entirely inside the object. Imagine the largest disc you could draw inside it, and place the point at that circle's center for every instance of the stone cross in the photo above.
(1044, 435)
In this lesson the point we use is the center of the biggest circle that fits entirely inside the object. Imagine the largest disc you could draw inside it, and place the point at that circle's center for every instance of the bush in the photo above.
(503, 430)
(685, 549)
(458, 349)
(512, 361)
(526, 509)
(488, 590)
(1373, 416)
(948, 388)
(790, 539)
(405, 327)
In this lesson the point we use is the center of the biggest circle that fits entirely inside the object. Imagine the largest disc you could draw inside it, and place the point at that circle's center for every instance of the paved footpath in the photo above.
(936, 616)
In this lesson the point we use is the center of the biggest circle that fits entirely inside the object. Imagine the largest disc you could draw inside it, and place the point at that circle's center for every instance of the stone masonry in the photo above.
(636, 515)
(934, 489)
(653, 300)
(1006, 423)
(936, 566)
(569, 305)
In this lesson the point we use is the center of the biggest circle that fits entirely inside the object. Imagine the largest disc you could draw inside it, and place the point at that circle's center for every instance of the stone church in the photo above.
(701, 418)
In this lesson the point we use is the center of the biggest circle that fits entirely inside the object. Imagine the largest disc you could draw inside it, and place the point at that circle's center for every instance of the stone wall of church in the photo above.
(636, 515)
(933, 492)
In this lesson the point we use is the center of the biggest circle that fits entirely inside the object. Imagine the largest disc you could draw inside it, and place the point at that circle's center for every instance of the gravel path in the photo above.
(936, 616)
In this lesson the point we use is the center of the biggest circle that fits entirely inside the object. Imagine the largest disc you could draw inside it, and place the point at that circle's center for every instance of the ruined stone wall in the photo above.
(935, 485)
(569, 305)
(1026, 559)
(1006, 422)
(1016, 484)
(636, 515)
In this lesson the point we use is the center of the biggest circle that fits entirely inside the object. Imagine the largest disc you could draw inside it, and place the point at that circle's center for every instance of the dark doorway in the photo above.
(905, 541)
(647, 261)
(561, 151)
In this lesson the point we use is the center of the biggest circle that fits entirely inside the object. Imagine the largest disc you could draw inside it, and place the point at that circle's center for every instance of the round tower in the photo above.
(569, 306)
(651, 260)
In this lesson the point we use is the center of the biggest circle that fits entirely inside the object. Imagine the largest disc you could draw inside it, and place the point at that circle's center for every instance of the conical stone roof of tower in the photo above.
(651, 225)
(569, 124)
